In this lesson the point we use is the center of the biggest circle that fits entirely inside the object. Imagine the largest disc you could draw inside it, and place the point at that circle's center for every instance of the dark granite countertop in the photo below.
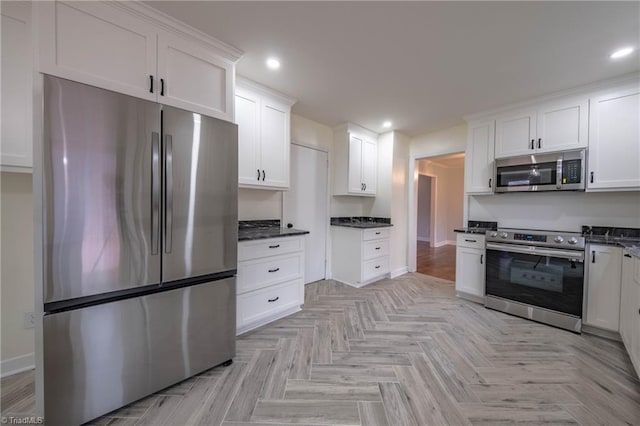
(477, 227)
(472, 230)
(361, 222)
(621, 237)
(262, 229)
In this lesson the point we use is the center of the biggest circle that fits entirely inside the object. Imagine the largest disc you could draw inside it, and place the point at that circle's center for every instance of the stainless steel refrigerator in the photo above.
(140, 248)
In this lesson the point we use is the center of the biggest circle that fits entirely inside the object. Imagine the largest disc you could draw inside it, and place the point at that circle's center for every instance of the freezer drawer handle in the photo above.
(274, 270)
(168, 176)
(276, 246)
(275, 299)
(155, 193)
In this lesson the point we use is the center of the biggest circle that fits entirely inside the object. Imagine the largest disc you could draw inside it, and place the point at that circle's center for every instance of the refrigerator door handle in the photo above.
(168, 184)
(155, 193)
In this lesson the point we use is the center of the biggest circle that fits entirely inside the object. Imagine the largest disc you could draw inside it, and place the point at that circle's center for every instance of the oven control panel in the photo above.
(567, 240)
(529, 237)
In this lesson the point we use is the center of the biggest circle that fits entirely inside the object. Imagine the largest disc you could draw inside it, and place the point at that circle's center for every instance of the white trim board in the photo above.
(18, 364)
(397, 272)
(424, 239)
(444, 243)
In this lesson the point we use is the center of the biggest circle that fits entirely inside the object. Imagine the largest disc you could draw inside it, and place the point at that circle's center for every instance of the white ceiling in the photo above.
(423, 65)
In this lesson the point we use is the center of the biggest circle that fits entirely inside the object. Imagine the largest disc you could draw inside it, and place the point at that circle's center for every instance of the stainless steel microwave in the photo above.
(562, 171)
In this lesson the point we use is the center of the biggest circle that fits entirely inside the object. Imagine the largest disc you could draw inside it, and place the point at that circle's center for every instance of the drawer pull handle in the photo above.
(377, 233)
(470, 241)
(274, 270)
(627, 255)
(377, 248)
(274, 299)
(276, 246)
(378, 267)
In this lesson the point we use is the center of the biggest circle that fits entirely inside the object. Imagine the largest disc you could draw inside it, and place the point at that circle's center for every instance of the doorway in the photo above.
(439, 210)
(306, 205)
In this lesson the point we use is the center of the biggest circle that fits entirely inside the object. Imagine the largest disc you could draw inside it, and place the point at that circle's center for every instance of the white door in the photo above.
(603, 286)
(515, 134)
(470, 270)
(369, 166)
(98, 44)
(562, 126)
(355, 165)
(248, 121)
(305, 206)
(479, 159)
(614, 135)
(274, 139)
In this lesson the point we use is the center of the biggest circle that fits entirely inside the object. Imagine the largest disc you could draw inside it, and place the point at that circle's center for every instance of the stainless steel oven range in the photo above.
(537, 275)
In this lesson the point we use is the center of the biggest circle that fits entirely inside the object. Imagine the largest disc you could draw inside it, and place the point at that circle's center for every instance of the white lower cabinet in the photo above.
(359, 256)
(603, 286)
(270, 280)
(470, 266)
(630, 308)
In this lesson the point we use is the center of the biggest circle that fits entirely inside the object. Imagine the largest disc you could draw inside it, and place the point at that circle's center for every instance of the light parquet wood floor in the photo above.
(398, 352)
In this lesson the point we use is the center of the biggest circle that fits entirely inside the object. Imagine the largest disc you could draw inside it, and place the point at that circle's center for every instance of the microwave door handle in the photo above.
(559, 173)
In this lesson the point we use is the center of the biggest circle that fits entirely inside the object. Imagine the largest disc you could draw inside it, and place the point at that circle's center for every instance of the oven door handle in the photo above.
(537, 251)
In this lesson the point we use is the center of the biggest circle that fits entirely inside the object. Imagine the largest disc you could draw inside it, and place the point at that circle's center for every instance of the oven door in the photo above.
(546, 278)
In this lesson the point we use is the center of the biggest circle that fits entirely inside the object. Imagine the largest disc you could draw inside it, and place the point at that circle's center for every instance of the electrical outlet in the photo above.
(29, 320)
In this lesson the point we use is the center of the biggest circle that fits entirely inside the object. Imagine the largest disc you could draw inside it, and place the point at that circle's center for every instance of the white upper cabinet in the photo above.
(614, 140)
(98, 44)
(17, 134)
(193, 77)
(555, 126)
(356, 161)
(515, 134)
(479, 158)
(264, 119)
(128, 48)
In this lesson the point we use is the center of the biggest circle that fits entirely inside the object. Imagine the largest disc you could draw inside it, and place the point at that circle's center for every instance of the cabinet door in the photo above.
(274, 123)
(17, 142)
(562, 126)
(628, 300)
(248, 121)
(194, 77)
(369, 166)
(614, 140)
(515, 134)
(470, 271)
(98, 44)
(355, 165)
(479, 159)
(603, 287)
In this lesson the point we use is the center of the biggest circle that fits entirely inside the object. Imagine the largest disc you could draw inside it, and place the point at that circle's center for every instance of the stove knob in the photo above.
(558, 239)
(503, 235)
(573, 240)
(494, 234)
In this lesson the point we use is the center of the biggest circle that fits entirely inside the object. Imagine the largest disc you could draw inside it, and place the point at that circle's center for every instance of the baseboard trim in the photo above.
(444, 243)
(11, 366)
(265, 321)
(600, 332)
(425, 239)
(400, 271)
(470, 297)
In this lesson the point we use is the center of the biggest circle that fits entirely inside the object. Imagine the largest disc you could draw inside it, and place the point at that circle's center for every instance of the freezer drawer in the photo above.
(102, 357)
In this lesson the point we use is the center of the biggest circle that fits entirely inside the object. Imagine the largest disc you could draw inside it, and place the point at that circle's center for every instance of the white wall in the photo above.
(399, 200)
(447, 141)
(259, 204)
(16, 276)
(558, 211)
(424, 208)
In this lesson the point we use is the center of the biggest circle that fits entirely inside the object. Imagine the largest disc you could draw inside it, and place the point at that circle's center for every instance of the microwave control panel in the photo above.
(571, 171)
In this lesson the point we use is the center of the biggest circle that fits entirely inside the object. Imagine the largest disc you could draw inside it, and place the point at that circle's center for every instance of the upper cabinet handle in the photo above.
(258, 174)
(162, 87)
(150, 84)
(539, 143)
(481, 258)
(490, 181)
(263, 175)
(591, 177)
(533, 141)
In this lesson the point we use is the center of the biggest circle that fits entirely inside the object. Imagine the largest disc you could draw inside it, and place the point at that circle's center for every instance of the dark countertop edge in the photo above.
(480, 231)
(625, 243)
(279, 233)
(367, 225)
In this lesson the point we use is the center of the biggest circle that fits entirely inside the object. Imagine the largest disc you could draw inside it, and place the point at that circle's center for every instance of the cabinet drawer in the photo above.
(375, 267)
(260, 273)
(271, 247)
(376, 248)
(375, 233)
(260, 304)
(470, 241)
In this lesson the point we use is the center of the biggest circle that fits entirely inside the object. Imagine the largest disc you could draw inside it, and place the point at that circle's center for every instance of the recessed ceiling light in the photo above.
(621, 53)
(273, 63)
(387, 124)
